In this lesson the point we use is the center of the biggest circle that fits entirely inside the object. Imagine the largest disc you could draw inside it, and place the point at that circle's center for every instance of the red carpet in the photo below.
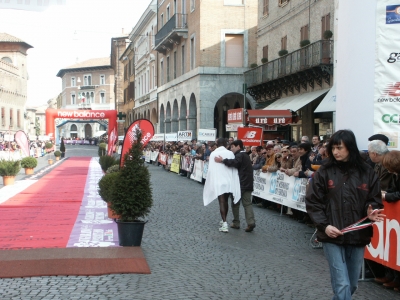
(36, 226)
(43, 215)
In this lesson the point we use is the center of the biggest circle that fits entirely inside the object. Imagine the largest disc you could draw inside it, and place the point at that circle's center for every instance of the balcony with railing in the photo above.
(306, 66)
(171, 33)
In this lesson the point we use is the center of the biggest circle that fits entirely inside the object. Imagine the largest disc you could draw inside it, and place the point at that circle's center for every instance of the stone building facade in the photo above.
(144, 63)
(85, 85)
(297, 26)
(203, 49)
(13, 82)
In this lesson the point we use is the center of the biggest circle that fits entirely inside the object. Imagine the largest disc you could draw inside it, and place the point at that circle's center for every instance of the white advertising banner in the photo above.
(207, 135)
(171, 137)
(154, 156)
(185, 135)
(147, 156)
(279, 188)
(8, 137)
(197, 173)
(387, 70)
(157, 137)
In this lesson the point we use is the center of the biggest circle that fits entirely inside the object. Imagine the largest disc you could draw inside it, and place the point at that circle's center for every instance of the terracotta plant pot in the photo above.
(8, 180)
(29, 171)
(57, 158)
(50, 161)
(111, 213)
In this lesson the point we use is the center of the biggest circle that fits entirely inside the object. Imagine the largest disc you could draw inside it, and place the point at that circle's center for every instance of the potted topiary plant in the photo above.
(131, 196)
(282, 52)
(328, 34)
(8, 170)
(105, 189)
(102, 149)
(57, 154)
(304, 43)
(48, 147)
(253, 65)
(29, 163)
(107, 161)
(264, 60)
(62, 148)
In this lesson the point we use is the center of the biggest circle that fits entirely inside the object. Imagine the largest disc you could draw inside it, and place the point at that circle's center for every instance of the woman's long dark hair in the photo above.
(348, 138)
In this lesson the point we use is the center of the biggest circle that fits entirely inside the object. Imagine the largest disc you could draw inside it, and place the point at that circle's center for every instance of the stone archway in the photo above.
(168, 119)
(175, 119)
(182, 115)
(88, 131)
(162, 118)
(192, 117)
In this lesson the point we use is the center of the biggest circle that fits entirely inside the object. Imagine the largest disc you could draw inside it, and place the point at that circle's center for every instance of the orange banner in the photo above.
(384, 247)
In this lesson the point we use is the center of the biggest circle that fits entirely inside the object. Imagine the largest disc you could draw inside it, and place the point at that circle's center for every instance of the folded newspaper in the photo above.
(360, 224)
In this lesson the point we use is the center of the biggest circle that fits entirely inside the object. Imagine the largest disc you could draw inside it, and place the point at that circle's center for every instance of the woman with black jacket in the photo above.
(343, 191)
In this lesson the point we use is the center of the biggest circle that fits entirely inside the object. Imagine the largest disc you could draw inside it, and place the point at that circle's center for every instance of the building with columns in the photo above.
(203, 49)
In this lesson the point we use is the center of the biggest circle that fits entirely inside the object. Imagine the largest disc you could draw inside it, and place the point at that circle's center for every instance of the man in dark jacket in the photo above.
(243, 164)
(343, 191)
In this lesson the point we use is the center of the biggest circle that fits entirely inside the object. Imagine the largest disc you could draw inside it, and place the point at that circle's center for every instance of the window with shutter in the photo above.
(234, 54)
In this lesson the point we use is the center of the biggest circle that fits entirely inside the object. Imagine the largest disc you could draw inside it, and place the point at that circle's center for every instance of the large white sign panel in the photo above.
(207, 135)
(387, 70)
(158, 137)
(171, 137)
(185, 135)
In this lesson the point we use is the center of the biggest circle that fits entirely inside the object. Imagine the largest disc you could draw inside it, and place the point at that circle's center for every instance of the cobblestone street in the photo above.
(190, 259)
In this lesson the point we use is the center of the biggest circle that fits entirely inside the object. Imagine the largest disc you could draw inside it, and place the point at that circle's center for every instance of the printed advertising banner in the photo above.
(159, 137)
(171, 137)
(207, 135)
(250, 136)
(280, 188)
(185, 135)
(387, 80)
(176, 161)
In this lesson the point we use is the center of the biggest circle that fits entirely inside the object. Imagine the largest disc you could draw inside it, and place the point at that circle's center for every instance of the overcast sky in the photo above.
(64, 35)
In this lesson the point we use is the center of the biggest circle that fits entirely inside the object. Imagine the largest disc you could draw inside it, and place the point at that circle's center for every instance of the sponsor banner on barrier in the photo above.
(185, 162)
(279, 188)
(205, 169)
(197, 173)
(385, 245)
(147, 155)
(176, 162)
(250, 136)
(185, 135)
(171, 137)
(207, 134)
(387, 62)
(153, 155)
(162, 158)
(159, 137)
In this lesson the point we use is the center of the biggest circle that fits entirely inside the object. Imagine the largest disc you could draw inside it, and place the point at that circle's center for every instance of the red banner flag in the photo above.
(23, 142)
(147, 129)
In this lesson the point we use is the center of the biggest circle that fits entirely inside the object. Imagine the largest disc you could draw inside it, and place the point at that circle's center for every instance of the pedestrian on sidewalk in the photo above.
(243, 164)
(221, 181)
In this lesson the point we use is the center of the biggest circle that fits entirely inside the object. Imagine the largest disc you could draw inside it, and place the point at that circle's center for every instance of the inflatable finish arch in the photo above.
(111, 115)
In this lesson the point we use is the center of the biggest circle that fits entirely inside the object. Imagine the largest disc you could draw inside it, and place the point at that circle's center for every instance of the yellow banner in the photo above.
(176, 162)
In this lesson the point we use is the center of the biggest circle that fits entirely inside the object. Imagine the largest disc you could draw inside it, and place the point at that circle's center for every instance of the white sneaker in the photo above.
(224, 227)
(220, 223)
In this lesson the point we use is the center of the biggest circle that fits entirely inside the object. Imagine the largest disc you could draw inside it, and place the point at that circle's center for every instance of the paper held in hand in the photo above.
(360, 224)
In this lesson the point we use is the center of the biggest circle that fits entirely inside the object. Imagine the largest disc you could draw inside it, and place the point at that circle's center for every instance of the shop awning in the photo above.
(269, 116)
(99, 133)
(294, 103)
(328, 104)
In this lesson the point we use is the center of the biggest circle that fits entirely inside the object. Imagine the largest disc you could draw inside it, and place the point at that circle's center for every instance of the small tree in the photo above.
(282, 52)
(328, 34)
(132, 193)
(264, 60)
(254, 65)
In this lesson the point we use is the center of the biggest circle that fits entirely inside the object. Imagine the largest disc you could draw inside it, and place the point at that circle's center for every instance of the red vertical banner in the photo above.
(147, 129)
